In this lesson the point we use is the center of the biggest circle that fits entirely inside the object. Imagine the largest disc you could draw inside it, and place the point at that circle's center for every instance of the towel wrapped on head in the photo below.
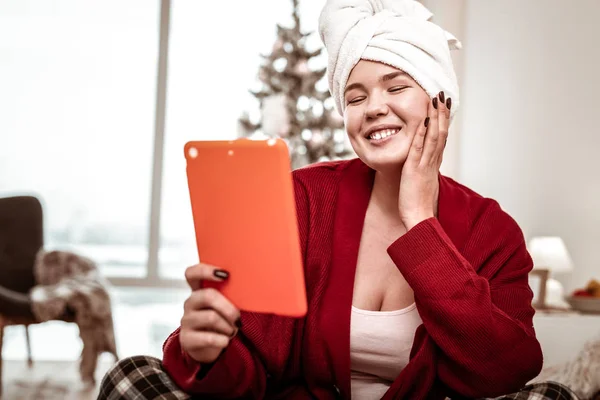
(394, 32)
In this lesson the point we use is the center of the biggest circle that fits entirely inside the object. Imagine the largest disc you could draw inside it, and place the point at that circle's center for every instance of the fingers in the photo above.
(212, 299)
(416, 148)
(208, 320)
(195, 341)
(443, 123)
(432, 137)
(195, 274)
(437, 131)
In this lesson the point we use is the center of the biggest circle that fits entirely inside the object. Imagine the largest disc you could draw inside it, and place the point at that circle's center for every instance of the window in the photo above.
(213, 61)
(79, 105)
(78, 89)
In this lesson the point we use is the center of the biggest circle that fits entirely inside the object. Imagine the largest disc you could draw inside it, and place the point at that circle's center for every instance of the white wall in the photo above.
(530, 134)
(450, 14)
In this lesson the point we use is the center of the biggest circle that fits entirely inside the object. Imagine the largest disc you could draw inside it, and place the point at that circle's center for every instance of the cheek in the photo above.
(352, 121)
(412, 109)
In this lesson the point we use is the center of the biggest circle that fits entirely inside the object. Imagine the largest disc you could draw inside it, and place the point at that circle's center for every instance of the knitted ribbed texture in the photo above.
(469, 272)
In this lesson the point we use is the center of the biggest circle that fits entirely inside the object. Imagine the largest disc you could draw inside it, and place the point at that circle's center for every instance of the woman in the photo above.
(417, 286)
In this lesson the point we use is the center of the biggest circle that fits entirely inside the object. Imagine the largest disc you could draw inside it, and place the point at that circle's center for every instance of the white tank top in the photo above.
(380, 344)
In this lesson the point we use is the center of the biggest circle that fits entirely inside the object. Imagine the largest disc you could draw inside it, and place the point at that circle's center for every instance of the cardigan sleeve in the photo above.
(481, 321)
(252, 365)
(264, 356)
(237, 373)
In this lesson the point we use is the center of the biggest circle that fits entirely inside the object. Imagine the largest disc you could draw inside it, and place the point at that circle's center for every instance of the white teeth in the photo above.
(382, 134)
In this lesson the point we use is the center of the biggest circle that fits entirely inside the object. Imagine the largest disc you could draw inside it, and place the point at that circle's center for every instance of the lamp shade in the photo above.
(550, 252)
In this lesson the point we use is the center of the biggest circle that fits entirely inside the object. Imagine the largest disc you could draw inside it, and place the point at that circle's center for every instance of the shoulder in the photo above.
(322, 177)
(480, 218)
(322, 170)
(485, 234)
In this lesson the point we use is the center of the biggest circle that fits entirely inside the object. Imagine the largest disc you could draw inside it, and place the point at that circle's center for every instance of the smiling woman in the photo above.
(417, 286)
(382, 102)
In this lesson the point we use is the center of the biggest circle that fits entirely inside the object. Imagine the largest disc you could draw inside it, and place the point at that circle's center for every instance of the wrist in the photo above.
(413, 221)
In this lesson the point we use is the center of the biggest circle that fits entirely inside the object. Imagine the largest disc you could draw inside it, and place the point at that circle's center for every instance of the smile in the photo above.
(383, 134)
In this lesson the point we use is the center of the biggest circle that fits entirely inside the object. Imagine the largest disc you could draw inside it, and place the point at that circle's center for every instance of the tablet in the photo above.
(244, 212)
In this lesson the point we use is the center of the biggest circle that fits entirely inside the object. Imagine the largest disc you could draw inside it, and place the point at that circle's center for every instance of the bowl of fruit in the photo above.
(586, 300)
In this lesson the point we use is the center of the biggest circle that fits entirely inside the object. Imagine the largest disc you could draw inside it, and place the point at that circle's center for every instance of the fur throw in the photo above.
(67, 281)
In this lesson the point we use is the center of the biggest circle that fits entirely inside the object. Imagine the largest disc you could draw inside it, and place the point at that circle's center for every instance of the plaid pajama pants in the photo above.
(142, 377)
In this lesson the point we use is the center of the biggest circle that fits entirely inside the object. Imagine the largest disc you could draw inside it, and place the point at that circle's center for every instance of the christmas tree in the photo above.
(292, 107)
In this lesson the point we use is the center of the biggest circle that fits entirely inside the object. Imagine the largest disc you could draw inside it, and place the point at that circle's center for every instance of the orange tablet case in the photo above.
(244, 212)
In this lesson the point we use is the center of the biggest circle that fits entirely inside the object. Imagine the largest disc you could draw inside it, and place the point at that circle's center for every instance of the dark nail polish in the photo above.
(442, 97)
(449, 103)
(221, 274)
(238, 323)
(434, 102)
(426, 122)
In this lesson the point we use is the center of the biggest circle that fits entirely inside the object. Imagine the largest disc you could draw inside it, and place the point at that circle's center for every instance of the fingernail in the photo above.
(221, 274)
(238, 323)
(234, 333)
(442, 97)
(434, 101)
(449, 103)
(426, 122)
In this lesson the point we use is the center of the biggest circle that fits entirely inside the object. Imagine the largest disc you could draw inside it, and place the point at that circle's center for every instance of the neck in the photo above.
(384, 195)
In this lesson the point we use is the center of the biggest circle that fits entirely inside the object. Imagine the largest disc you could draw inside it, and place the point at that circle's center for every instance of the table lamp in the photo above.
(550, 256)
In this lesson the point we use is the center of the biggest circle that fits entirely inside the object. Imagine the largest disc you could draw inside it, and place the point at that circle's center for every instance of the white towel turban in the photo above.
(393, 32)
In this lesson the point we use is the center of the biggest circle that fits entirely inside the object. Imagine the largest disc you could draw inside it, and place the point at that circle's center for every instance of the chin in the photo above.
(385, 165)
(383, 160)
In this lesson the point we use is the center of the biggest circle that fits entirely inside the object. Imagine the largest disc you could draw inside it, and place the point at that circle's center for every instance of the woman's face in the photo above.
(384, 108)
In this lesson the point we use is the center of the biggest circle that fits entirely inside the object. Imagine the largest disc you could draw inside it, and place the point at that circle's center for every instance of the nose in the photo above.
(376, 108)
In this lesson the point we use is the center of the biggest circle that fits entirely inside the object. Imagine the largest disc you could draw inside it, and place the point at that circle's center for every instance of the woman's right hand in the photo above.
(209, 319)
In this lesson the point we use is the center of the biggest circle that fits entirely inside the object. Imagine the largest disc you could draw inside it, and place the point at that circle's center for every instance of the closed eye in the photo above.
(356, 100)
(396, 89)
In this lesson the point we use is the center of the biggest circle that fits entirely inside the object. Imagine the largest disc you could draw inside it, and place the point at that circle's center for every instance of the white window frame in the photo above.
(153, 278)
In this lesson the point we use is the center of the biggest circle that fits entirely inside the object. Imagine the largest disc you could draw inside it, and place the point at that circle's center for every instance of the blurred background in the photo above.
(97, 99)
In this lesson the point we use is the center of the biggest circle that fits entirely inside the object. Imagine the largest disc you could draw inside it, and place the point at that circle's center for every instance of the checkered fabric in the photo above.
(142, 377)
(541, 391)
(139, 378)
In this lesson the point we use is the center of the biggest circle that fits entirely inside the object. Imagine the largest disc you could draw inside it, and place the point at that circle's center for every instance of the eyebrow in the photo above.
(384, 78)
(392, 75)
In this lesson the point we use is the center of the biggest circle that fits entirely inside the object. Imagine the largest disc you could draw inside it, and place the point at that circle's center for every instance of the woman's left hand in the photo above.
(419, 185)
